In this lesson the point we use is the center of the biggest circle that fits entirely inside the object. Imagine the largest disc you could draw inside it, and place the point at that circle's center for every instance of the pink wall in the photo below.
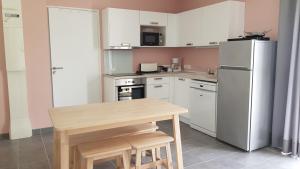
(262, 15)
(162, 56)
(38, 56)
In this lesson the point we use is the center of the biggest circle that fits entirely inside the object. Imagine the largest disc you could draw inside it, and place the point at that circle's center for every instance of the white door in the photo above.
(74, 40)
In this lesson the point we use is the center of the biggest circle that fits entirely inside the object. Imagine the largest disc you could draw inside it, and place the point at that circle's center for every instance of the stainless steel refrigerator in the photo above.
(245, 93)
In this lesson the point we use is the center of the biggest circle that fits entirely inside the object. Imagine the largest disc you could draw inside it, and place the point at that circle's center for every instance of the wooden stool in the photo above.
(153, 142)
(112, 148)
(101, 136)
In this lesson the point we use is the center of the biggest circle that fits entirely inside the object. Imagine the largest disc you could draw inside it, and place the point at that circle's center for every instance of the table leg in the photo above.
(61, 150)
(54, 150)
(177, 138)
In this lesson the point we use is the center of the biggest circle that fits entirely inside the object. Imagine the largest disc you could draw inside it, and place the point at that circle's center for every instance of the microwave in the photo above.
(152, 39)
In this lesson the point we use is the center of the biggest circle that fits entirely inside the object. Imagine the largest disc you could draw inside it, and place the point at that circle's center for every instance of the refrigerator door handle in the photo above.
(235, 68)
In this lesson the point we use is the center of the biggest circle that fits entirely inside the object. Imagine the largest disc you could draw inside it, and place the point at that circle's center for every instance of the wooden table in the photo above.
(69, 121)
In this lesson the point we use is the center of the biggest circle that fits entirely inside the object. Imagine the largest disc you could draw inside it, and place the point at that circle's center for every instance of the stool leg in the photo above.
(169, 156)
(118, 162)
(153, 154)
(89, 163)
(77, 159)
(138, 161)
(158, 156)
(126, 159)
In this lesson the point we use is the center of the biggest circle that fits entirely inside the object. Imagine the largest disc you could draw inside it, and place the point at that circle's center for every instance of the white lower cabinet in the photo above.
(158, 87)
(181, 96)
(159, 91)
(203, 107)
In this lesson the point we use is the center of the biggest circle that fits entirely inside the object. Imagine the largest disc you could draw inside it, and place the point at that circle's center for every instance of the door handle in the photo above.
(57, 68)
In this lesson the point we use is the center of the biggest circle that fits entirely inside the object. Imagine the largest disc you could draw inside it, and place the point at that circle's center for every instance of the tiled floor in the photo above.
(199, 152)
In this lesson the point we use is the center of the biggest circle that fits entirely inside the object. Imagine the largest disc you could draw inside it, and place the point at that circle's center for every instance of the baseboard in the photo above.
(35, 132)
(4, 136)
(205, 131)
(184, 120)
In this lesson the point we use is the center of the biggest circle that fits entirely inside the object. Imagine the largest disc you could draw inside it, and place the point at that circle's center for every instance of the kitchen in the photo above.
(164, 54)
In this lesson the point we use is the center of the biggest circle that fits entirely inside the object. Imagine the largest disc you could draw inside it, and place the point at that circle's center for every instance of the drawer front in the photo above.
(158, 80)
(204, 85)
(159, 91)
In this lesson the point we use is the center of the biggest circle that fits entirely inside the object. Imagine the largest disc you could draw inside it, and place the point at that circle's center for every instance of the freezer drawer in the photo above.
(234, 103)
(237, 54)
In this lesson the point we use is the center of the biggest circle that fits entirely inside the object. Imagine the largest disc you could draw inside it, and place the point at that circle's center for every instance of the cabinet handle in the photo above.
(12, 15)
(201, 86)
(154, 23)
(189, 44)
(158, 78)
(181, 79)
(125, 44)
(158, 86)
(213, 43)
(57, 68)
(201, 95)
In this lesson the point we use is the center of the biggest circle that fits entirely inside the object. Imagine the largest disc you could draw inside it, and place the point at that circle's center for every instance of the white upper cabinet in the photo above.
(222, 21)
(172, 31)
(210, 25)
(205, 26)
(153, 18)
(121, 28)
(190, 27)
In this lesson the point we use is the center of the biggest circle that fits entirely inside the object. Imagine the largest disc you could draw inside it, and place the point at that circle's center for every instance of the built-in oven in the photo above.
(152, 39)
(129, 89)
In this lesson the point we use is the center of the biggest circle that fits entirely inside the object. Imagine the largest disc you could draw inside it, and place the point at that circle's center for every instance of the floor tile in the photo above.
(9, 156)
(32, 153)
(200, 151)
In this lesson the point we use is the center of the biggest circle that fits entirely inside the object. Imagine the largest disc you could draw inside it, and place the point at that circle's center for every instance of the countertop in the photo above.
(203, 76)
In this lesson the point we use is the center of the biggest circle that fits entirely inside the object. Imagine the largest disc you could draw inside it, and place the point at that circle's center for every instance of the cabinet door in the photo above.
(216, 23)
(121, 27)
(190, 27)
(172, 31)
(153, 18)
(222, 21)
(14, 48)
(158, 91)
(202, 109)
(181, 93)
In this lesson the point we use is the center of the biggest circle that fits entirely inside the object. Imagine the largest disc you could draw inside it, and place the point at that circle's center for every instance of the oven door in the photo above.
(131, 92)
(150, 39)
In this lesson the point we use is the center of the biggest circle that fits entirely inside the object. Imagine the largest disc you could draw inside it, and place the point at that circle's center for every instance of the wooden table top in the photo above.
(93, 115)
